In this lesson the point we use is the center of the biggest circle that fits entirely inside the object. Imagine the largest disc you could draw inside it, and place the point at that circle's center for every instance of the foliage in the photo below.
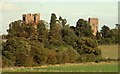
(55, 37)
(7, 62)
(38, 53)
(86, 45)
(42, 32)
(106, 32)
(83, 29)
(68, 35)
(67, 55)
(21, 29)
(17, 50)
(29, 46)
(52, 57)
(62, 21)
(107, 35)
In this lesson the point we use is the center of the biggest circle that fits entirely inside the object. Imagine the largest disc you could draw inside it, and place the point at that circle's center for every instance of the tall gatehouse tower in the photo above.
(94, 25)
(31, 18)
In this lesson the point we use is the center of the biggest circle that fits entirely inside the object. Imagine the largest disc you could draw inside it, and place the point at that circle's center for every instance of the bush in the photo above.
(52, 57)
(97, 52)
(67, 55)
(73, 55)
(87, 46)
(24, 60)
(89, 58)
(98, 59)
(86, 58)
(109, 59)
(39, 53)
(16, 51)
(7, 62)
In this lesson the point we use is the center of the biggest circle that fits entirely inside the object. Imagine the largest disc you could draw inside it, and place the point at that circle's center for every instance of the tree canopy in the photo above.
(27, 46)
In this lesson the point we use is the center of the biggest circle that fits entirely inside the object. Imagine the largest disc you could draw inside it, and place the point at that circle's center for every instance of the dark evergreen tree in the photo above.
(83, 29)
(55, 31)
(62, 21)
(42, 32)
(106, 32)
(21, 29)
(68, 35)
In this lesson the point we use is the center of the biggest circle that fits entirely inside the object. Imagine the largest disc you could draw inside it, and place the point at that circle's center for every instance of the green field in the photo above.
(110, 51)
(86, 67)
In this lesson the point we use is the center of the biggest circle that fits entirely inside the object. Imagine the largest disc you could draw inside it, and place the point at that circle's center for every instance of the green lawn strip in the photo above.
(100, 67)
(85, 68)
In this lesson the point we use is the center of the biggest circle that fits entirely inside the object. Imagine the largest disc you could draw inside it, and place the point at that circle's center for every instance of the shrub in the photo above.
(16, 51)
(87, 46)
(39, 53)
(52, 57)
(73, 55)
(86, 58)
(24, 60)
(7, 62)
(67, 55)
(89, 58)
(98, 59)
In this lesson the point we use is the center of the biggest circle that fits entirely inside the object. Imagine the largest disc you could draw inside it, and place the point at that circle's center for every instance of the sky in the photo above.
(106, 11)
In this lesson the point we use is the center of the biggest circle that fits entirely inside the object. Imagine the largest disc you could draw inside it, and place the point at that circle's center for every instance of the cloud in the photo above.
(9, 7)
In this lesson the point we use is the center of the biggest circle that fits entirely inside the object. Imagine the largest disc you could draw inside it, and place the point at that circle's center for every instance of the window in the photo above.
(23, 18)
(34, 18)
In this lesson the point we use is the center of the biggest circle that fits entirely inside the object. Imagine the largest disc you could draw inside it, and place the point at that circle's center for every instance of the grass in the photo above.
(84, 67)
(109, 51)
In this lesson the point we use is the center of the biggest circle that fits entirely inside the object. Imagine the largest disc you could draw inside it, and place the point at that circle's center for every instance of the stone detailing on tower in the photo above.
(31, 18)
(94, 25)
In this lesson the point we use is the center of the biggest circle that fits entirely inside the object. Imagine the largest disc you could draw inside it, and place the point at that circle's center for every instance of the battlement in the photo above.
(31, 18)
(94, 25)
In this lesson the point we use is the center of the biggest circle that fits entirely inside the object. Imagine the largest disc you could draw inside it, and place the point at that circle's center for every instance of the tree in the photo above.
(38, 53)
(107, 35)
(68, 35)
(62, 21)
(20, 29)
(55, 37)
(52, 57)
(31, 31)
(88, 50)
(17, 29)
(117, 26)
(117, 35)
(42, 32)
(86, 45)
(106, 32)
(67, 55)
(28, 46)
(98, 35)
(17, 50)
(83, 29)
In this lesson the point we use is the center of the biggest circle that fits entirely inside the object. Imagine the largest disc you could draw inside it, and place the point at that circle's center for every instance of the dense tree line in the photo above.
(108, 36)
(27, 46)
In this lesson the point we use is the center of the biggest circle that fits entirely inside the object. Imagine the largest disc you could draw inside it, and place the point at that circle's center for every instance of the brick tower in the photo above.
(94, 25)
(31, 18)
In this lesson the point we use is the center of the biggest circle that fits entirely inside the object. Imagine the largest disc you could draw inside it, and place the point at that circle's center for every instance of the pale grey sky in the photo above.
(59, 0)
(107, 12)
